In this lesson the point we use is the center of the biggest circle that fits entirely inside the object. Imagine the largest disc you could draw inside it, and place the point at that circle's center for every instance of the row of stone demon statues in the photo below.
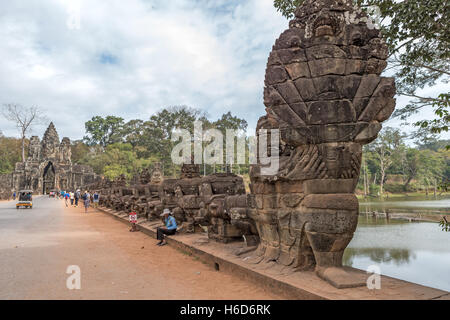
(216, 203)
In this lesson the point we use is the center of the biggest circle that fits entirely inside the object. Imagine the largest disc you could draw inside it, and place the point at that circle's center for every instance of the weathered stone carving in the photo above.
(104, 186)
(323, 91)
(187, 195)
(216, 203)
(120, 181)
(157, 175)
(168, 198)
(222, 194)
(147, 202)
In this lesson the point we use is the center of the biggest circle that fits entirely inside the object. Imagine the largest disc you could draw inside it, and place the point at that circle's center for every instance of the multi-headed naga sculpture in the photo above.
(324, 93)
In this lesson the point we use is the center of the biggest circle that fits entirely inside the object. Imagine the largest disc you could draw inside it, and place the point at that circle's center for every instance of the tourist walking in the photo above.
(87, 201)
(170, 229)
(77, 197)
(72, 198)
(14, 195)
(96, 198)
(66, 198)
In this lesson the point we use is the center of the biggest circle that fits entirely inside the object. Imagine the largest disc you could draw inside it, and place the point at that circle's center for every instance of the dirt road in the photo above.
(37, 246)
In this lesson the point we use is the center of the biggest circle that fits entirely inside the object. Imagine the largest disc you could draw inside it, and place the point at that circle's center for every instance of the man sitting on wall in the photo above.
(170, 229)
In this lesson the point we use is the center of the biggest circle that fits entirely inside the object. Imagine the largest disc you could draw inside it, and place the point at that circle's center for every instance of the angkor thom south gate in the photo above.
(47, 167)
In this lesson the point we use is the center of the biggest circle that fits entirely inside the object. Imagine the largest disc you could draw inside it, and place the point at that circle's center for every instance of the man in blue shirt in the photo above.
(67, 198)
(170, 229)
(95, 199)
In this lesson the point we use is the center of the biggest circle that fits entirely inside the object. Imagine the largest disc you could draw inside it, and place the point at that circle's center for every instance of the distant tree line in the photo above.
(390, 165)
(113, 147)
(10, 153)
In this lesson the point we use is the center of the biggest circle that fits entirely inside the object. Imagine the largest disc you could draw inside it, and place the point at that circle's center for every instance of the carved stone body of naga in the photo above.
(324, 93)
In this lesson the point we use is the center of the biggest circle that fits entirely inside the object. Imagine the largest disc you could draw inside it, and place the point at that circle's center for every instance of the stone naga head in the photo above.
(322, 79)
(324, 93)
(157, 175)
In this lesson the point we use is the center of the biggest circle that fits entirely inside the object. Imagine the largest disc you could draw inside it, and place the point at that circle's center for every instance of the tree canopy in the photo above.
(113, 147)
(103, 131)
(10, 153)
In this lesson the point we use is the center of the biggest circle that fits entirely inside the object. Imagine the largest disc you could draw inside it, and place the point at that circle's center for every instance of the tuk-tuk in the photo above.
(25, 199)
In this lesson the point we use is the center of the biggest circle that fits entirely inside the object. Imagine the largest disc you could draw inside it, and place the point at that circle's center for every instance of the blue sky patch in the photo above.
(107, 58)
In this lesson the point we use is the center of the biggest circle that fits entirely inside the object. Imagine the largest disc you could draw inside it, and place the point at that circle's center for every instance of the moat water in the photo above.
(419, 205)
(418, 252)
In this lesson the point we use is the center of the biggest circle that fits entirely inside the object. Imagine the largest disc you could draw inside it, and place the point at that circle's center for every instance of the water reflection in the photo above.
(418, 252)
(398, 256)
(406, 204)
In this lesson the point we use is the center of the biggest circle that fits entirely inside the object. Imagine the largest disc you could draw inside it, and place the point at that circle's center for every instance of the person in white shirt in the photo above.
(72, 198)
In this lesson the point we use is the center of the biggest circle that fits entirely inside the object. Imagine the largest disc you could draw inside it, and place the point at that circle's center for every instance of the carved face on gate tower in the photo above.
(323, 91)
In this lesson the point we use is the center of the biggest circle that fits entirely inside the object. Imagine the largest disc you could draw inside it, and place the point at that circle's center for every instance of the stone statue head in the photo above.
(145, 176)
(189, 171)
(157, 174)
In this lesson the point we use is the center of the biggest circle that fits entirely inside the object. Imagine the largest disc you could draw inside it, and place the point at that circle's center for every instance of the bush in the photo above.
(394, 188)
(374, 190)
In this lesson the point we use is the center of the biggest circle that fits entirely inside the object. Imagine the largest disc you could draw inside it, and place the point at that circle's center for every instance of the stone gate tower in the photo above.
(49, 167)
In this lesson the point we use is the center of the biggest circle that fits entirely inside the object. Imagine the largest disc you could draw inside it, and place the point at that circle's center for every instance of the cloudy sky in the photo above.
(132, 58)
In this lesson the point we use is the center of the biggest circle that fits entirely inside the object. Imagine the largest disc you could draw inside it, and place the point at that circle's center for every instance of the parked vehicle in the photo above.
(25, 199)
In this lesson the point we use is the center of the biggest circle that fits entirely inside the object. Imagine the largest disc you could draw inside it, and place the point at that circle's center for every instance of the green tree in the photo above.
(10, 153)
(80, 151)
(118, 158)
(445, 154)
(427, 140)
(228, 121)
(387, 148)
(157, 133)
(104, 131)
(132, 131)
(432, 169)
(411, 164)
(287, 7)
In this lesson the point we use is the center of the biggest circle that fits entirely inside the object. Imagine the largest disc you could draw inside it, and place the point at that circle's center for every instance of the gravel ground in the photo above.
(37, 246)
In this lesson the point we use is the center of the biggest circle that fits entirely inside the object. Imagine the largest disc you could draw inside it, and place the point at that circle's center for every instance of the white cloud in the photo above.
(132, 58)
